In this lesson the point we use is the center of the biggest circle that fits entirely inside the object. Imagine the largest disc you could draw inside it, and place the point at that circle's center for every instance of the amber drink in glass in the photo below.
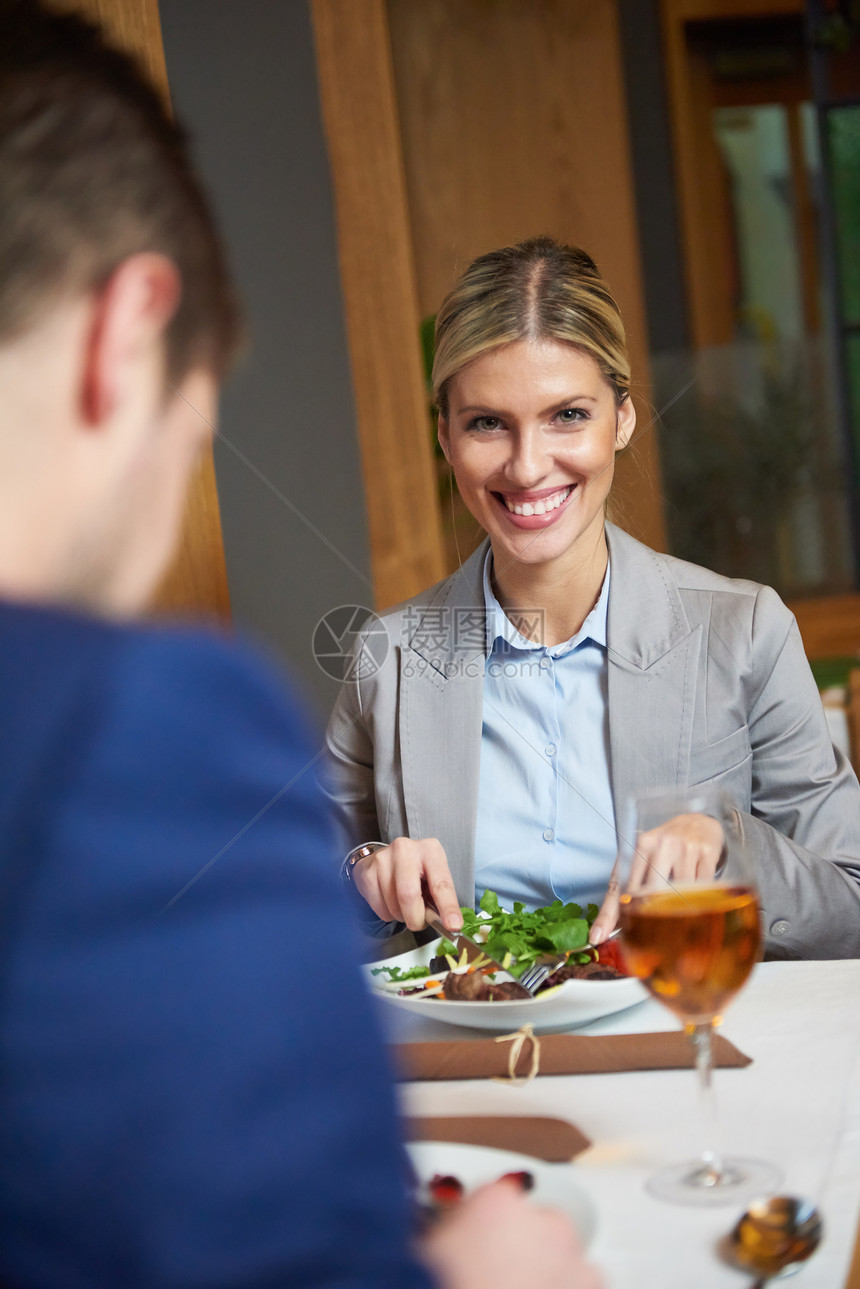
(690, 925)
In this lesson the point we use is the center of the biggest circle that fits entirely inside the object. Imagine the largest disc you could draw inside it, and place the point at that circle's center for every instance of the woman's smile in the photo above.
(533, 510)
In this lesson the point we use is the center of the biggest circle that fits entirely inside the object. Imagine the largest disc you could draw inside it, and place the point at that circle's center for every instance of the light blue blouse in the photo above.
(546, 820)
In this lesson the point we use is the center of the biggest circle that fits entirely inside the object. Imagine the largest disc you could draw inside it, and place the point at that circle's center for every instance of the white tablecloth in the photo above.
(797, 1105)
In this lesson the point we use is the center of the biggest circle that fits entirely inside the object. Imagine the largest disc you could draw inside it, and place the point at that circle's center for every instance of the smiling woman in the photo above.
(531, 433)
(566, 667)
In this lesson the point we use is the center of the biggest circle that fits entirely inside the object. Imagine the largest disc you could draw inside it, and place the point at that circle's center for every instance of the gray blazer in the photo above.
(708, 683)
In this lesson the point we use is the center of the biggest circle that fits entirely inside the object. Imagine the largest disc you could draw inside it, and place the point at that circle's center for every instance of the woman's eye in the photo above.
(571, 415)
(484, 423)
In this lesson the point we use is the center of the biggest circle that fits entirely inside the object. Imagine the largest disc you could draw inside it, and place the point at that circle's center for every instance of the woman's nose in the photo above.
(529, 459)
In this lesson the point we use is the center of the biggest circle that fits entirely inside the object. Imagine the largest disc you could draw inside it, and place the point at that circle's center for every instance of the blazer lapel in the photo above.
(441, 708)
(652, 668)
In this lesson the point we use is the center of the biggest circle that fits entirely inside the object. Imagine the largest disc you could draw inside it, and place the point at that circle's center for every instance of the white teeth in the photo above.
(542, 507)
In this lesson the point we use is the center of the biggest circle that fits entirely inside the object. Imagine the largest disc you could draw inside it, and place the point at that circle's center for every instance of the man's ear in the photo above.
(625, 423)
(444, 437)
(129, 316)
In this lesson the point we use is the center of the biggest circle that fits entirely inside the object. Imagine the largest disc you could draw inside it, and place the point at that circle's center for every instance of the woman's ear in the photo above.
(625, 423)
(444, 437)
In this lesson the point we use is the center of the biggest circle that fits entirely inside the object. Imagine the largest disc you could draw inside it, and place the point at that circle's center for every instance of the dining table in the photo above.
(797, 1105)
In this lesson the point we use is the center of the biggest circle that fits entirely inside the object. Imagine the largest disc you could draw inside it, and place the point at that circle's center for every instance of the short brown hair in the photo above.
(93, 170)
(539, 290)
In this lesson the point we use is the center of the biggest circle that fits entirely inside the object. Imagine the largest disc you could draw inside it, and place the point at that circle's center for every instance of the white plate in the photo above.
(574, 1003)
(555, 1184)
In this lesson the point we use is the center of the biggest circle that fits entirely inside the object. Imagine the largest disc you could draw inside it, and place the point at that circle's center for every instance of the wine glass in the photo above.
(690, 929)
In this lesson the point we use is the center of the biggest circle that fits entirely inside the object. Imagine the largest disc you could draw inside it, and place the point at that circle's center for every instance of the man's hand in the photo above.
(498, 1239)
(686, 848)
(393, 882)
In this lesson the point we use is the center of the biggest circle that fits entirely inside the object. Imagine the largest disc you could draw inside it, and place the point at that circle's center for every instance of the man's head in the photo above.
(114, 295)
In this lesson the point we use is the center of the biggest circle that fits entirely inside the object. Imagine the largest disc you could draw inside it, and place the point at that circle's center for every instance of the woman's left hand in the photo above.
(685, 848)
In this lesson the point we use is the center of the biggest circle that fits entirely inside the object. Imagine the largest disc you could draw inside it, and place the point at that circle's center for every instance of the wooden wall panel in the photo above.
(377, 276)
(196, 583)
(829, 625)
(513, 122)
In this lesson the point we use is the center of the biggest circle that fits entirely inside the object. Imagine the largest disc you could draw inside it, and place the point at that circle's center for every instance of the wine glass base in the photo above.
(696, 1185)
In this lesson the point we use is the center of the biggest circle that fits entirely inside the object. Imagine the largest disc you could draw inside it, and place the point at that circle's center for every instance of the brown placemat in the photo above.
(555, 1140)
(487, 1058)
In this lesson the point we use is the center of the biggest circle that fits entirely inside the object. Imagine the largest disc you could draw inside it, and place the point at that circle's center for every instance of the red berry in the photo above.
(445, 1189)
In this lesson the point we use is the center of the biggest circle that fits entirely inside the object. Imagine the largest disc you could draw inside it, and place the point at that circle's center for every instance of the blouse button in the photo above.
(548, 834)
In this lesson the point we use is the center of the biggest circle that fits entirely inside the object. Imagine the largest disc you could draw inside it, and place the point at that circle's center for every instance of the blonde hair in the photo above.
(537, 290)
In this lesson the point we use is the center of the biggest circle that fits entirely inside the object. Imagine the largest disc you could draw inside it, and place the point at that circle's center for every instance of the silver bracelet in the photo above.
(357, 853)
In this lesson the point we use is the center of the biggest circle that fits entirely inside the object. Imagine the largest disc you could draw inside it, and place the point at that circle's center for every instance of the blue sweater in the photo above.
(191, 1093)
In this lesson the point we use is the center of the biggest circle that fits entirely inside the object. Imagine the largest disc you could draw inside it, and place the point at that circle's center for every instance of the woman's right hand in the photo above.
(393, 882)
(499, 1239)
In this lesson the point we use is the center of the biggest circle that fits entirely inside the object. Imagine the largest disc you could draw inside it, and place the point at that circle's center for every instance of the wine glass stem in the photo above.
(712, 1164)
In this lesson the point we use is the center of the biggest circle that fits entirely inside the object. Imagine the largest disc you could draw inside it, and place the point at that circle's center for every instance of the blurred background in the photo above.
(361, 152)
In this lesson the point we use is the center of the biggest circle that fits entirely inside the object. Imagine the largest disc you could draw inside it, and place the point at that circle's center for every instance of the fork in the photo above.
(431, 917)
(537, 975)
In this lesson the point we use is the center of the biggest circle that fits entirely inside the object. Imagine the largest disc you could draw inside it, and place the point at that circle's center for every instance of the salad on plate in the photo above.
(514, 940)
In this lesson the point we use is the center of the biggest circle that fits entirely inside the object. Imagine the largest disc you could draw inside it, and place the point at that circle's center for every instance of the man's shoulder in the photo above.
(152, 683)
(57, 648)
(163, 743)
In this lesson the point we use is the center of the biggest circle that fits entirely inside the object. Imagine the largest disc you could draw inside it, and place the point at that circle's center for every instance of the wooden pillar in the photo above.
(196, 582)
(513, 123)
(380, 297)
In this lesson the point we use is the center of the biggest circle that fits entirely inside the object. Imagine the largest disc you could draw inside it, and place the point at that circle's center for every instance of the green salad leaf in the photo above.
(523, 936)
(397, 975)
